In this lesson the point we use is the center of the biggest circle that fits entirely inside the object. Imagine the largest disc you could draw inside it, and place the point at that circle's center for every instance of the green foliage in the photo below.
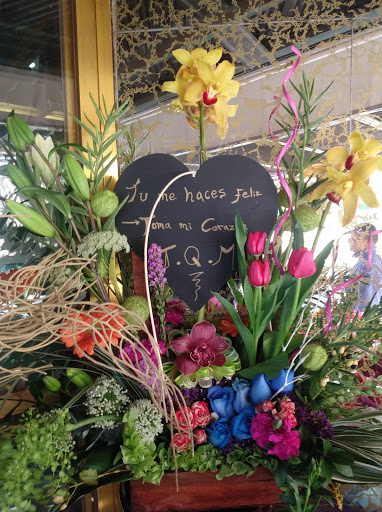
(36, 459)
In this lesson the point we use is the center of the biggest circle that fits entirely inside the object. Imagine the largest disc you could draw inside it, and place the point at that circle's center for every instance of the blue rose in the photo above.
(261, 389)
(279, 381)
(221, 401)
(242, 391)
(218, 433)
(240, 425)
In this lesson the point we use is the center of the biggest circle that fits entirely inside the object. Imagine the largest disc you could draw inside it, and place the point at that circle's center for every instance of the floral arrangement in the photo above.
(270, 383)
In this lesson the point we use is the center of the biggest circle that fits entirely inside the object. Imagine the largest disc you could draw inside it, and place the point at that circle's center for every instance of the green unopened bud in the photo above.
(76, 178)
(323, 382)
(104, 203)
(31, 219)
(52, 383)
(341, 350)
(316, 359)
(57, 500)
(333, 352)
(80, 378)
(19, 178)
(138, 305)
(19, 132)
(277, 424)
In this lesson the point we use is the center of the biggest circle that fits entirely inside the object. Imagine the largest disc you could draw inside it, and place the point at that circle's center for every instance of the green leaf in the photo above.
(235, 292)
(109, 224)
(239, 468)
(344, 469)
(58, 200)
(243, 331)
(241, 239)
(298, 240)
(271, 367)
(249, 302)
(113, 277)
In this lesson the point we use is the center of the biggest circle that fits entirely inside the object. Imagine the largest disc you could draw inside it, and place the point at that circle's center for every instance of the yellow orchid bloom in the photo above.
(200, 82)
(350, 186)
(339, 157)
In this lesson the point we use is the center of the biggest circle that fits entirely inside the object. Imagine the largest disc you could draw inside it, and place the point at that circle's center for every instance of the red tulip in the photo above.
(259, 274)
(256, 242)
(301, 263)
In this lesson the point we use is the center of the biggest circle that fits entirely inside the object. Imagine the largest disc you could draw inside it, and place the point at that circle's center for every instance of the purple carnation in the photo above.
(155, 267)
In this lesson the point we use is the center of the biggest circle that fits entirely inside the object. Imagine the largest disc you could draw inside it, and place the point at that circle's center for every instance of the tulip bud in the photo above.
(80, 378)
(19, 132)
(256, 242)
(45, 146)
(31, 219)
(259, 274)
(52, 383)
(301, 263)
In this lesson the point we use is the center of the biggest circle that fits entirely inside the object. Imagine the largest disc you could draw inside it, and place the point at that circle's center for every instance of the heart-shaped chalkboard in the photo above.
(194, 221)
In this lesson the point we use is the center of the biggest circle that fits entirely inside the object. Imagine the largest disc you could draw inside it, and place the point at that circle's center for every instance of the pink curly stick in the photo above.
(284, 150)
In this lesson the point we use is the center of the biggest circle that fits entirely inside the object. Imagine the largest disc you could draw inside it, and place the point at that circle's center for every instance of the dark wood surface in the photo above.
(203, 492)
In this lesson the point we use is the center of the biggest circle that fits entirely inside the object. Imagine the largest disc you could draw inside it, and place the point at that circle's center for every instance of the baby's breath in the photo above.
(106, 397)
(148, 423)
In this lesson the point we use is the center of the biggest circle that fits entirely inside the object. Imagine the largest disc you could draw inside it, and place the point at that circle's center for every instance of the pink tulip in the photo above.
(256, 242)
(301, 263)
(259, 274)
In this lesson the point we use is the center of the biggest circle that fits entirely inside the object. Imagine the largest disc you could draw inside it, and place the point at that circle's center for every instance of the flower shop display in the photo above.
(126, 387)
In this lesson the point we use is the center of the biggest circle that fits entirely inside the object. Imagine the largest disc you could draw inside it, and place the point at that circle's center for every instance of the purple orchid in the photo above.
(199, 349)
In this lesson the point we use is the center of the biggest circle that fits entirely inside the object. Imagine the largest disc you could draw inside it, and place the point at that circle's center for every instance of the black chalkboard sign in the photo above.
(194, 221)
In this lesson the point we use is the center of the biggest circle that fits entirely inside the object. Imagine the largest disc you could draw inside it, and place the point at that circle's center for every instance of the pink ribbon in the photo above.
(329, 325)
(284, 150)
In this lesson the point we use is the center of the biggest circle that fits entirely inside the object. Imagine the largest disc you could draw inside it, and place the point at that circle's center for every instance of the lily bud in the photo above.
(301, 263)
(31, 219)
(19, 132)
(256, 242)
(80, 378)
(259, 274)
(45, 146)
(51, 383)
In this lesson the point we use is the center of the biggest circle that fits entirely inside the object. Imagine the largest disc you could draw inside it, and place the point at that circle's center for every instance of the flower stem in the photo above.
(203, 150)
(108, 417)
(321, 224)
(91, 216)
(203, 155)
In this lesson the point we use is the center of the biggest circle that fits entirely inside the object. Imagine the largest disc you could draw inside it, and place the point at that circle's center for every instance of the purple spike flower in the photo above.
(155, 267)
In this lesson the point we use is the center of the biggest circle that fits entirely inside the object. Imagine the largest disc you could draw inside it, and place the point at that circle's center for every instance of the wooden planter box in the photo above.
(203, 492)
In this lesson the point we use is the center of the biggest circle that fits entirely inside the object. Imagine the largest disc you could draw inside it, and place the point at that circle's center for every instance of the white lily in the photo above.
(45, 146)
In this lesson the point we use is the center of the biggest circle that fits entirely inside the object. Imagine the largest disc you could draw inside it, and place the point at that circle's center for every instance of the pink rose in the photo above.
(201, 413)
(261, 429)
(182, 441)
(200, 436)
(181, 417)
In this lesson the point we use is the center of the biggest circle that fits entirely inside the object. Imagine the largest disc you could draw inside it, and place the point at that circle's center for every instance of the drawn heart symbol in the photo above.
(194, 221)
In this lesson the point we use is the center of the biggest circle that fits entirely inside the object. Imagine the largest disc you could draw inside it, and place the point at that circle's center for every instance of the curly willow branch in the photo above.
(36, 308)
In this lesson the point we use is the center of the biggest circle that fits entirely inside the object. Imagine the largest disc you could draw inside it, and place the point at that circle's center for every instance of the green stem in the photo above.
(258, 304)
(201, 313)
(91, 216)
(289, 248)
(203, 154)
(321, 224)
(295, 301)
(108, 417)
(203, 150)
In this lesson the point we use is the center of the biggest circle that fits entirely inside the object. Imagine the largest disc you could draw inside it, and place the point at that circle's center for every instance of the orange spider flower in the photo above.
(105, 328)
(227, 327)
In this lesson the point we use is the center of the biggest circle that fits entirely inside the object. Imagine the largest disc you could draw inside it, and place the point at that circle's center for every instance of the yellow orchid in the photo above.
(350, 186)
(339, 157)
(200, 82)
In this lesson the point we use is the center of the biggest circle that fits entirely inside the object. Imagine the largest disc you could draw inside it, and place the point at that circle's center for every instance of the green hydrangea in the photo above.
(143, 424)
(35, 460)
